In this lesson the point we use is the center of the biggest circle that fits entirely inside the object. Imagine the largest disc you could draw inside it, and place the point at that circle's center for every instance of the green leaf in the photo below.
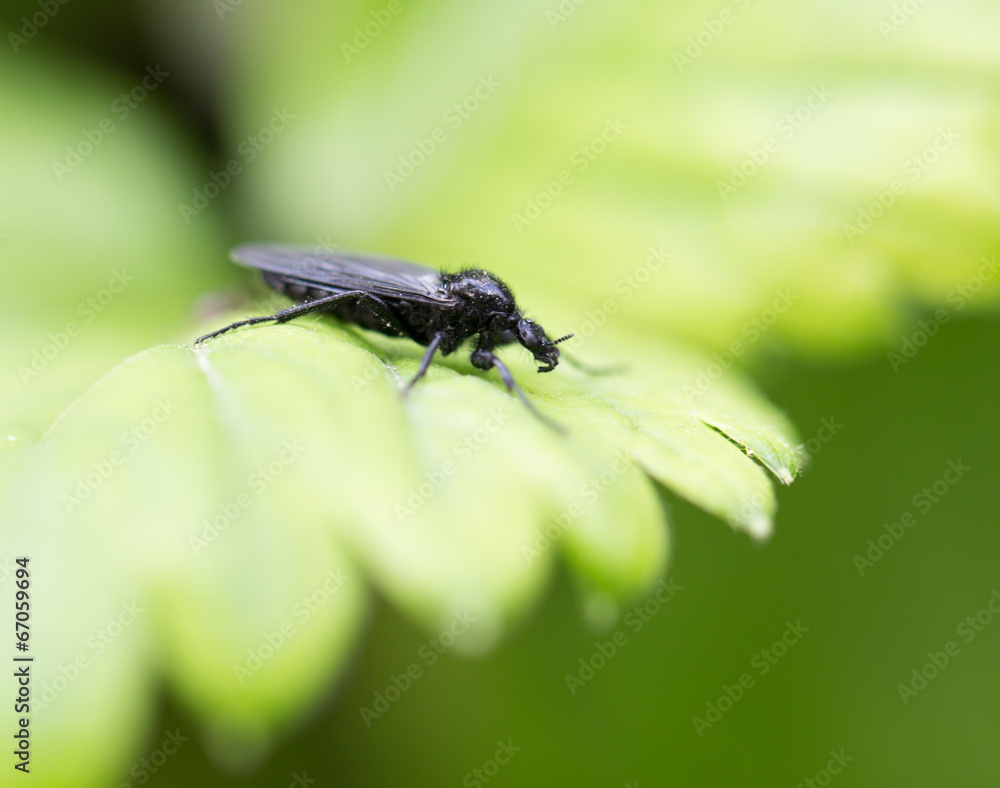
(246, 494)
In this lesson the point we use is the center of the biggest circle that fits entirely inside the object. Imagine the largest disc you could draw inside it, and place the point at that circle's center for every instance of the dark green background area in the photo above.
(834, 690)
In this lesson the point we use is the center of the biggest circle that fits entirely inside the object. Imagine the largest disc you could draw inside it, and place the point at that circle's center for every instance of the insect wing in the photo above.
(381, 276)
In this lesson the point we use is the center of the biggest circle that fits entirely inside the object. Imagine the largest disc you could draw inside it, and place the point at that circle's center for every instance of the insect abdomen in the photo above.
(350, 311)
(294, 290)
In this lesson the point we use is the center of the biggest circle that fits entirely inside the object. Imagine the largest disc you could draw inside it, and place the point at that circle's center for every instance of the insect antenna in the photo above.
(563, 339)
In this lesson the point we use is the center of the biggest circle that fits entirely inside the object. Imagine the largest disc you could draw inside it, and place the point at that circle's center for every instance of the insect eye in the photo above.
(529, 335)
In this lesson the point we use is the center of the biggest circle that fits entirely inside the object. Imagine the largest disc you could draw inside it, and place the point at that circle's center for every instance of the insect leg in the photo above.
(303, 309)
(511, 384)
(426, 363)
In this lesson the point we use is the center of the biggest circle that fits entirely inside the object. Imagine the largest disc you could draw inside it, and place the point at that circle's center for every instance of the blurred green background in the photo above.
(840, 158)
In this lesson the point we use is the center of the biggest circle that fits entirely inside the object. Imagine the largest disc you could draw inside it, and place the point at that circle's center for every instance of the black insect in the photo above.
(401, 299)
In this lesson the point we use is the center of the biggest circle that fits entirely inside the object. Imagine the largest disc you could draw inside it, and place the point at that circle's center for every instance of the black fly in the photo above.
(401, 299)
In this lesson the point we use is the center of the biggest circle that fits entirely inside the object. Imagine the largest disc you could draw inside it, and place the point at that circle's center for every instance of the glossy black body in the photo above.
(401, 299)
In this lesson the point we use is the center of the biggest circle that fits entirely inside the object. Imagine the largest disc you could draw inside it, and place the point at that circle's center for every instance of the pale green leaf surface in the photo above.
(244, 497)
(240, 475)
